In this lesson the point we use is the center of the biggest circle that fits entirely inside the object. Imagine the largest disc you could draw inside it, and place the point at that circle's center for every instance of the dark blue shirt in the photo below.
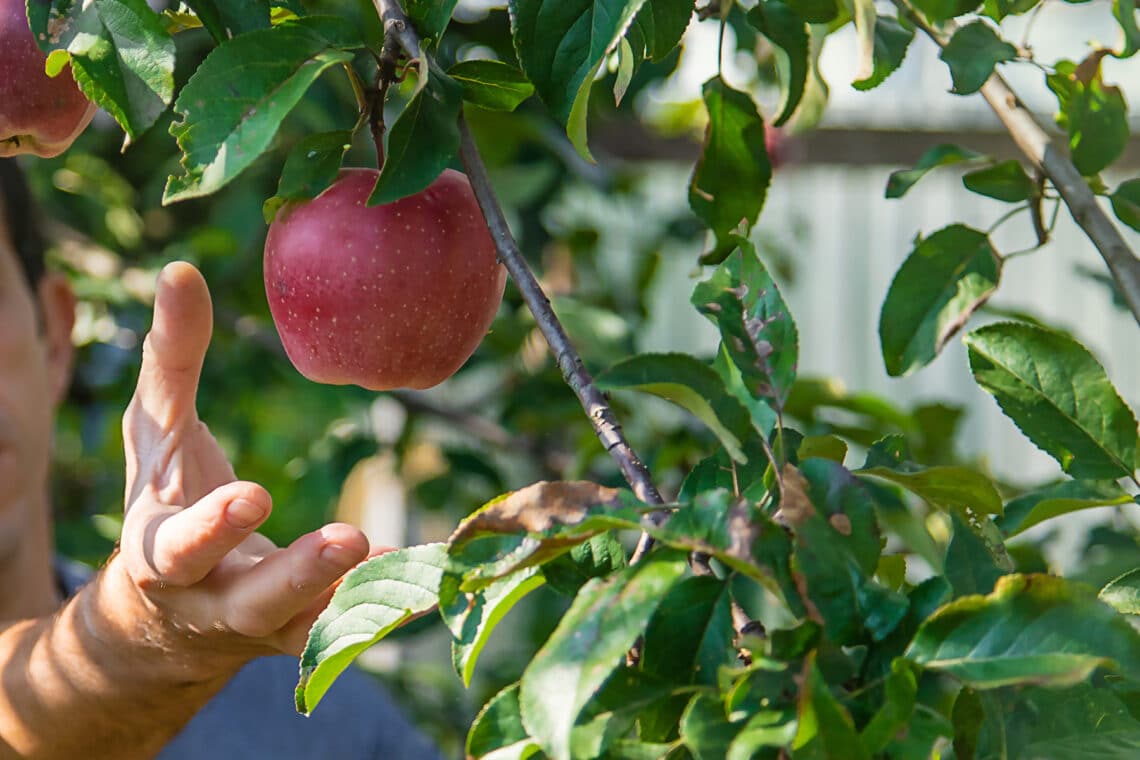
(254, 717)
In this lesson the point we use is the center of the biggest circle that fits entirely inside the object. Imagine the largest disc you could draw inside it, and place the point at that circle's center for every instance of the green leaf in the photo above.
(1126, 203)
(1123, 593)
(944, 154)
(899, 692)
(423, 141)
(760, 412)
(731, 177)
(950, 488)
(1033, 629)
(968, 715)
(690, 384)
(1094, 115)
(373, 600)
(825, 727)
(552, 518)
(766, 729)
(789, 37)
(891, 40)
(823, 446)
(691, 635)
(837, 550)
(497, 732)
(755, 325)
(596, 558)
(483, 610)
(662, 24)
(561, 44)
(626, 61)
(972, 53)
(1079, 723)
(938, 11)
(1035, 507)
(999, 9)
(815, 11)
(232, 106)
(706, 729)
(121, 55)
(312, 165)
(224, 19)
(971, 566)
(430, 17)
(493, 85)
(1124, 11)
(590, 642)
(1058, 395)
(943, 281)
(614, 711)
(1006, 181)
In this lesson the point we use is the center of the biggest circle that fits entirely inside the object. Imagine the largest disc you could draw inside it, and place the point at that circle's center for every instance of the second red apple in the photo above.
(39, 114)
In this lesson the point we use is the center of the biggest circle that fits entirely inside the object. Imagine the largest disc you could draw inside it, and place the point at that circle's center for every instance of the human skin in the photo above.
(192, 594)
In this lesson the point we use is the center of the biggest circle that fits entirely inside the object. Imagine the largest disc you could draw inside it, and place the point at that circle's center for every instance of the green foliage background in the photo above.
(857, 658)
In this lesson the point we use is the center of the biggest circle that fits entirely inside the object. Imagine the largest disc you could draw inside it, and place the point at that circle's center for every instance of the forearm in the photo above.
(86, 683)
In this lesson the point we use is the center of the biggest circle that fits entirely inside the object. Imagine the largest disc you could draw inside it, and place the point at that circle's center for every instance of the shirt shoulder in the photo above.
(254, 717)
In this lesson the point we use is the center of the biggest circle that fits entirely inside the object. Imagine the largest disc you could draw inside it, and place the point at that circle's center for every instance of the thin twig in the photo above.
(573, 369)
(1033, 141)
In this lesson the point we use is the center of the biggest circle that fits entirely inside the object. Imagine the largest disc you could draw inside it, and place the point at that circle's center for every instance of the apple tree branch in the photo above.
(1038, 148)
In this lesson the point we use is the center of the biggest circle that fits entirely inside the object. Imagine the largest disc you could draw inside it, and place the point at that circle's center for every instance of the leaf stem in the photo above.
(1035, 144)
(1006, 217)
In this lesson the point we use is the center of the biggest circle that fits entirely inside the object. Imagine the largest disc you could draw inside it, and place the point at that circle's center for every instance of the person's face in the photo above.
(35, 359)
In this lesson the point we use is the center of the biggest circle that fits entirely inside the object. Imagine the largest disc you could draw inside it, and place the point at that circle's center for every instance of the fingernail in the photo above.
(242, 513)
(338, 556)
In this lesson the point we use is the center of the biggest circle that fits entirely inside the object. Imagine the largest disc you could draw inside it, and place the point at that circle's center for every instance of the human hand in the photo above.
(201, 583)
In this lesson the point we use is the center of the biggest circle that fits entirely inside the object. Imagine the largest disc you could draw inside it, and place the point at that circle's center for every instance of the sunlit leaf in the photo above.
(1123, 593)
(262, 75)
(561, 44)
(1033, 629)
(1035, 507)
(1094, 114)
(121, 54)
(372, 601)
(1058, 395)
(590, 642)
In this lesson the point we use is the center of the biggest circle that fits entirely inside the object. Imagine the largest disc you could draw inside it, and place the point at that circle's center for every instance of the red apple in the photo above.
(391, 296)
(39, 114)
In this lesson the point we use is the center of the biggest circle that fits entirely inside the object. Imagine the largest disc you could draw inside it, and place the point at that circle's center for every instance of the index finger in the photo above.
(176, 345)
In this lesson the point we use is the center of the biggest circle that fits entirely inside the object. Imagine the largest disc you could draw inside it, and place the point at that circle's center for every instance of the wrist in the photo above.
(140, 640)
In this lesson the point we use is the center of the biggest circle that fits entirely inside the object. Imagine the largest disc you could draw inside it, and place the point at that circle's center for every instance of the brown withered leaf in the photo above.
(795, 506)
(536, 509)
